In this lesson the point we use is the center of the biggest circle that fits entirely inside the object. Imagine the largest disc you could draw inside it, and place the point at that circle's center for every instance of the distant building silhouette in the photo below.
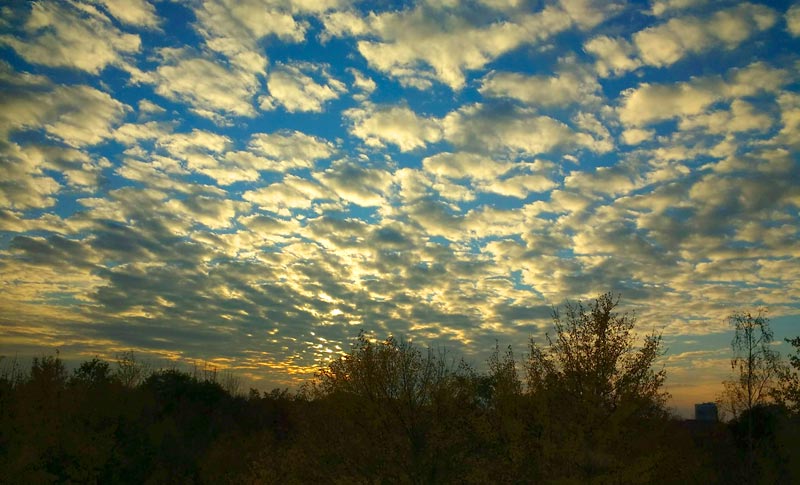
(706, 411)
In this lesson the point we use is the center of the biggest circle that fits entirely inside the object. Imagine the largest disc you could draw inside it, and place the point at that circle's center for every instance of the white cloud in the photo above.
(364, 84)
(485, 175)
(635, 136)
(662, 7)
(518, 186)
(614, 180)
(72, 35)
(563, 89)
(140, 13)
(614, 55)
(481, 127)
(589, 13)
(131, 133)
(793, 20)
(655, 102)
(355, 183)
(343, 24)
(754, 78)
(291, 193)
(667, 43)
(424, 44)
(211, 89)
(398, 125)
(291, 149)
(294, 87)
(465, 165)
(23, 184)
(234, 27)
(790, 119)
(741, 117)
(215, 213)
(78, 115)
(650, 103)
(147, 107)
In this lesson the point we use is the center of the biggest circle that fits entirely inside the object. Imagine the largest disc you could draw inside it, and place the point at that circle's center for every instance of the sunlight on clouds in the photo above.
(293, 87)
(661, 7)
(78, 115)
(651, 103)
(564, 89)
(614, 55)
(260, 180)
(234, 28)
(132, 12)
(212, 89)
(291, 149)
(72, 35)
(494, 127)
(397, 125)
(448, 43)
(665, 44)
(793, 20)
(356, 184)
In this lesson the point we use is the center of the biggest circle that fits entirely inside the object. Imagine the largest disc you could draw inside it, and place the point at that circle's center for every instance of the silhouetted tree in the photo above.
(388, 388)
(755, 365)
(755, 368)
(600, 397)
(788, 394)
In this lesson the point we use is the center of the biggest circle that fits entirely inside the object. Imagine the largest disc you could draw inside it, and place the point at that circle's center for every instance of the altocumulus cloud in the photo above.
(252, 183)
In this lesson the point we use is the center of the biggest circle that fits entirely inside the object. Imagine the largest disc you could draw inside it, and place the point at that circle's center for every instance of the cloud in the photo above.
(500, 127)
(377, 125)
(210, 88)
(72, 35)
(290, 149)
(741, 117)
(365, 85)
(662, 7)
(424, 44)
(196, 141)
(635, 136)
(212, 212)
(77, 115)
(465, 165)
(519, 186)
(24, 184)
(587, 14)
(650, 103)
(234, 28)
(667, 43)
(291, 193)
(564, 89)
(356, 183)
(140, 13)
(485, 175)
(614, 55)
(793, 20)
(293, 86)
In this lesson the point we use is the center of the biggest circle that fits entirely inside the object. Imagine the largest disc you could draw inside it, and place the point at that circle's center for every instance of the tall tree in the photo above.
(601, 397)
(594, 358)
(756, 368)
(789, 392)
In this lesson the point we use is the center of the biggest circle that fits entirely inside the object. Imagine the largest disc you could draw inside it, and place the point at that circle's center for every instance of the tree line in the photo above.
(586, 405)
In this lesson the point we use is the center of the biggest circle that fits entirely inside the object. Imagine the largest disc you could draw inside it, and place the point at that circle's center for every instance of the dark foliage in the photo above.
(591, 410)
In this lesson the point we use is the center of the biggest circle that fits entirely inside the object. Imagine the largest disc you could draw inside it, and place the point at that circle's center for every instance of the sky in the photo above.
(251, 183)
